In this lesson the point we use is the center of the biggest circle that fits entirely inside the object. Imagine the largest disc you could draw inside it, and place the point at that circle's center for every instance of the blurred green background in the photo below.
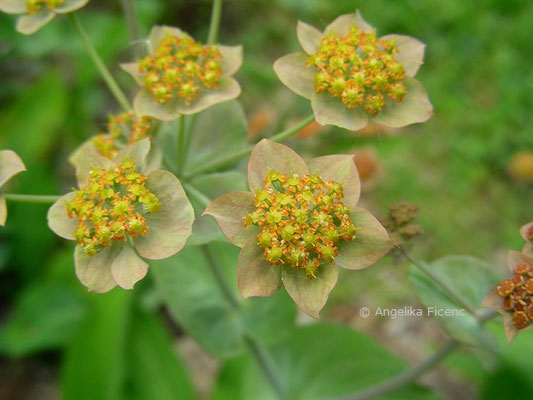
(469, 169)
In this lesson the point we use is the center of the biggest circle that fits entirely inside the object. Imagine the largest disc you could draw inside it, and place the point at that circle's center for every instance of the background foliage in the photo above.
(57, 339)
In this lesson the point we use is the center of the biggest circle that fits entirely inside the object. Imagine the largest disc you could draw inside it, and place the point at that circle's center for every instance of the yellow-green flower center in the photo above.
(123, 129)
(180, 67)
(35, 5)
(111, 207)
(517, 294)
(359, 69)
(301, 220)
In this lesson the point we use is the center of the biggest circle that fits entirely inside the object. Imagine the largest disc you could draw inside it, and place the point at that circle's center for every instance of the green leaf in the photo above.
(191, 293)
(222, 126)
(155, 369)
(471, 279)
(94, 364)
(45, 316)
(318, 361)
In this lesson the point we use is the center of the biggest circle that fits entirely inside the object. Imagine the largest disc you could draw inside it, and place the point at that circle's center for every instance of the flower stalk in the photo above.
(416, 371)
(258, 351)
(216, 13)
(31, 198)
(128, 9)
(424, 268)
(102, 69)
(181, 148)
(279, 137)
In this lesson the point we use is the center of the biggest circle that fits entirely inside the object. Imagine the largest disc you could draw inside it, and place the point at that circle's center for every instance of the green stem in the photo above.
(31, 198)
(287, 133)
(104, 72)
(265, 363)
(414, 372)
(259, 352)
(216, 12)
(188, 135)
(425, 269)
(180, 143)
(128, 8)
(222, 283)
(244, 152)
(199, 196)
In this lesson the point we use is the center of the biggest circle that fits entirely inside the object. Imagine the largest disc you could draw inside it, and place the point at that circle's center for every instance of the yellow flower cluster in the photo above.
(111, 207)
(35, 5)
(123, 129)
(517, 294)
(359, 69)
(182, 67)
(301, 220)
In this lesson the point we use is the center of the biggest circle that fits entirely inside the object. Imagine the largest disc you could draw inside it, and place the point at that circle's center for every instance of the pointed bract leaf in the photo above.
(341, 169)
(132, 68)
(414, 108)
(85, 158)
(310, 295)
(370, 244)
(59, 221)
(10, 165)
(31, 23)
(268, 155)
(410, 52)
(3, 210)
(255, 276)
(229, 211)
(526, 231)
(293, 73)
(514, 258)
(309, 37)
(169, 227)
(510, 330)
(136, 152)
(231, 59)
(128, 268)
(95, 271)
(228, 89)
(13, 6)
(70, 5)
(492, 300)
(329, 110)
(158, 33)
(342, 24)
(145, 104)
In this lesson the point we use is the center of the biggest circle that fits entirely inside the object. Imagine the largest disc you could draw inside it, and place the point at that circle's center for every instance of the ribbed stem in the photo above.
(100, 66)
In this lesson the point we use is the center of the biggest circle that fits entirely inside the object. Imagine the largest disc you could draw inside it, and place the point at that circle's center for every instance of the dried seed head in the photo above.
(301, 220)
(399, 222)
(123, 129)
(35, 5)
(517, 294)
(359, 69)
(111, 207)
(180, 67)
